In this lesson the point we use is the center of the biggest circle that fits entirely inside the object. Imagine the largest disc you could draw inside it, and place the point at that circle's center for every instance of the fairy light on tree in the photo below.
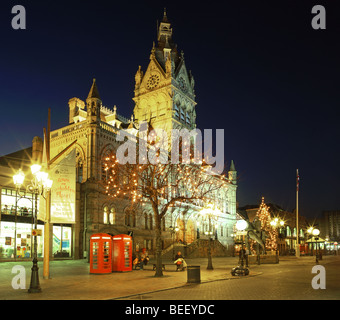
(160, 187)
(264, 216)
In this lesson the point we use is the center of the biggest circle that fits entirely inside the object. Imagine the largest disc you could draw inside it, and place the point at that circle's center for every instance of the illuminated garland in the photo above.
(264, 216)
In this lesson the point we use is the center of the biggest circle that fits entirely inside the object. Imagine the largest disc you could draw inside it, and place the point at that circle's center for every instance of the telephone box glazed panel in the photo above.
(121, 253)
(101, 253)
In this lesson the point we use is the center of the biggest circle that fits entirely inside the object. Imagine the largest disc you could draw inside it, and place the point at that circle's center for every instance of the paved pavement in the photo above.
(71, 280)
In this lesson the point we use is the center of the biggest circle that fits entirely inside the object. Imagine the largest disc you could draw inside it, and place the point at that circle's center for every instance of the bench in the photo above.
(178, 266)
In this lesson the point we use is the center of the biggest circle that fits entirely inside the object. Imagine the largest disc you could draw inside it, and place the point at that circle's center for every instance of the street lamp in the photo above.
(173, 230)
(277, 224)
(241, 226)
(208, 213)
(39, 185)
(316, 233)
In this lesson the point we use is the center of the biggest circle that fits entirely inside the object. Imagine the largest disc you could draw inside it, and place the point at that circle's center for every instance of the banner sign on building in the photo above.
(63, 193)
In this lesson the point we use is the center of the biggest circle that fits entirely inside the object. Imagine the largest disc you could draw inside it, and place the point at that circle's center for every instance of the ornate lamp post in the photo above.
(316, 233)
(310, 233)
(208, 214)
(173, 231)
(241, 226)
(277, 224)
(39, 185)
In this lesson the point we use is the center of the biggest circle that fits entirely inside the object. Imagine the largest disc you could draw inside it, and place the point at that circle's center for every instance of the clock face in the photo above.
(153, 81)
(182, 84)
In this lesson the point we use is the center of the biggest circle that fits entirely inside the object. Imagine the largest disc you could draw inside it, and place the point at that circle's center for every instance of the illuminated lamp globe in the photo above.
(35, 168)
(316, 232)
(19, 178)
(241, 225)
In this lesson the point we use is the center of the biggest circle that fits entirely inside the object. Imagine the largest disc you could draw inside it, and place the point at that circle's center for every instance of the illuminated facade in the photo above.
(165, 98)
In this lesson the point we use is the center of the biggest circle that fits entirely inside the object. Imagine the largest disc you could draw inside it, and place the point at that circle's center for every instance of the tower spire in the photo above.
(94, 103)
(93, 91)
(165, 18)
(232, 166)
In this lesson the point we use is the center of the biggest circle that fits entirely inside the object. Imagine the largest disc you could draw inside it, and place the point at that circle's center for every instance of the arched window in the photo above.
(146, 220)
(294, 232)
(182, 115)
(80, 170)
(187, 118)
(302, 234)
(151, 221)
(112, 216)
(176, 110)
(106, 215)
(289, 232)
(127, 218)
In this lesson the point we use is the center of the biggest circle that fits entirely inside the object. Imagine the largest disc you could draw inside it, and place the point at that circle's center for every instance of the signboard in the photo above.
(241, 233)
(36, 232)
(63, 193)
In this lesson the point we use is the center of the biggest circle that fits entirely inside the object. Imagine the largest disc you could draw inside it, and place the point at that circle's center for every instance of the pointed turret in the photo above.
(94, 103)
(93, 91)
(232, 166)
(165, 18)
(232, 173)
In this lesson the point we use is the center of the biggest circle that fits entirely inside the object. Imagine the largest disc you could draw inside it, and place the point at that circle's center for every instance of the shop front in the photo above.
(17, 223)
(16, 240)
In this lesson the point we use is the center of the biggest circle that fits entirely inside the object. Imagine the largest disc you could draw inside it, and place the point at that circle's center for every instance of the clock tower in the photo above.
(164, 93)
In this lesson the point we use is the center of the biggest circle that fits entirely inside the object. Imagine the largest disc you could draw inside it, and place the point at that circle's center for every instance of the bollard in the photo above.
(193, 274)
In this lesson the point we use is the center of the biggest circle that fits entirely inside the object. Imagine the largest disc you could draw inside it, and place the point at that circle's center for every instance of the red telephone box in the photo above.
(101, 253)
(121, 253)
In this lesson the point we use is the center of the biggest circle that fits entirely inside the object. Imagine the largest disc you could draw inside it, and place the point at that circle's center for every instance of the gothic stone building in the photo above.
(165, 98)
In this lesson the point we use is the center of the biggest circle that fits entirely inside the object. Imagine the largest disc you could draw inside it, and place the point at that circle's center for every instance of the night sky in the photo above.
(262, 73)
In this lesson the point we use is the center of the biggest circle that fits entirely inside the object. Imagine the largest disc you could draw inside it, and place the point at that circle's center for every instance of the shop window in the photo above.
(62, 241)
(16, 240)
(12, 203)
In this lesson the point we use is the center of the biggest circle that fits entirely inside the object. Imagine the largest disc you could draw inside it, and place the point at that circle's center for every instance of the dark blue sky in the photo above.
(262, 74)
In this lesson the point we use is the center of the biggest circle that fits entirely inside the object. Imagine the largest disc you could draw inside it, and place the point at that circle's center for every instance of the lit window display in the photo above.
(16, 240)
(62, 241)
(24, 203)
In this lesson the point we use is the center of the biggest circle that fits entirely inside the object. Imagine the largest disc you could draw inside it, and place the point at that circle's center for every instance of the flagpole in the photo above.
(297, 249)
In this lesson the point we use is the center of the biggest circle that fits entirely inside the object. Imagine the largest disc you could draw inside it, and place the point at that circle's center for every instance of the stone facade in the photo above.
(165, 98)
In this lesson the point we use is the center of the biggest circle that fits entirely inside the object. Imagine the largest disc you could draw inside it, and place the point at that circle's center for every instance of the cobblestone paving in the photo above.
(70, 280)
(277, 282)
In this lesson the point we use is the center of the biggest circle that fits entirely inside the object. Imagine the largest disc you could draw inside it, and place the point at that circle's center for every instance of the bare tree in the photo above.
(161, 186)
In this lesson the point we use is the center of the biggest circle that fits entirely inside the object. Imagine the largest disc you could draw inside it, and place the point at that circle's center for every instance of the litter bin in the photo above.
(193, 274)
